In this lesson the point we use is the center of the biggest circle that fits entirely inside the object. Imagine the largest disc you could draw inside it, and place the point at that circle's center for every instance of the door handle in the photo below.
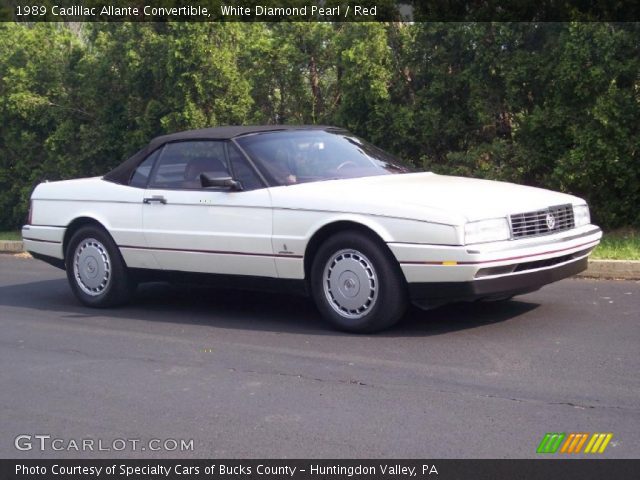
(155, 198)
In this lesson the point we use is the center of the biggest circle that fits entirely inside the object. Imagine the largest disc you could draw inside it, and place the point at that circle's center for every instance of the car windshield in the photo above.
(291, 157)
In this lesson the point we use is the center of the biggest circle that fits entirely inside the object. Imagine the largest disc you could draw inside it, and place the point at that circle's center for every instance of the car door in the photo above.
(209, 230)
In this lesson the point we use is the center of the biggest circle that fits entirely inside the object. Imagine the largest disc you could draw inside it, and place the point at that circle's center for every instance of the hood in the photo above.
(420, 196)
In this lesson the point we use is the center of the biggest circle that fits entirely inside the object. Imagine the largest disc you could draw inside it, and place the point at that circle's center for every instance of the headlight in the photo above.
(492, 230)
(581, 215)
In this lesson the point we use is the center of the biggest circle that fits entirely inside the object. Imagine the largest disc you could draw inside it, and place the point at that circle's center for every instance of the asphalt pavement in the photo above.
(260, 375)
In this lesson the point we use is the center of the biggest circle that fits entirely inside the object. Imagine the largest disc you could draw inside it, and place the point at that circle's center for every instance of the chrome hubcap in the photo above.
(350, 283)
(92, 267)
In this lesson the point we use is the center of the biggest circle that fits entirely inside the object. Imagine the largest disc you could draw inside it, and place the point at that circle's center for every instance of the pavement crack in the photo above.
(575, 405)
(567, 404)
(438, 390)
(519, 400)
(304, 377)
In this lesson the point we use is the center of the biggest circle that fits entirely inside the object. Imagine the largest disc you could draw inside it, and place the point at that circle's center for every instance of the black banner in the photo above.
(318, 469)
(315, 10)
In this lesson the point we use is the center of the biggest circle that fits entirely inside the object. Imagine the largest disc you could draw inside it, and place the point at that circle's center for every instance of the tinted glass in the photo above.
(242, 170)
(140, 177)
(287, 158)
(181, 163)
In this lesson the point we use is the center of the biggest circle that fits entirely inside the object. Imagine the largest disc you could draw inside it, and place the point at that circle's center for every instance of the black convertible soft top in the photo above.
(122, 173)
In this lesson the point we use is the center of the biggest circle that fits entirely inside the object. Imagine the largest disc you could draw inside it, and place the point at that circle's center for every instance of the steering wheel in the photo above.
(346, 164)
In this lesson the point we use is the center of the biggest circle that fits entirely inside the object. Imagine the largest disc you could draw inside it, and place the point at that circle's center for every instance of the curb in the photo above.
(619, 269)
(10, 246)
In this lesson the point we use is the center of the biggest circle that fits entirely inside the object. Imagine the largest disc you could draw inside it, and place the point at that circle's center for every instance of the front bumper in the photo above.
(429, 295)
(438, 274)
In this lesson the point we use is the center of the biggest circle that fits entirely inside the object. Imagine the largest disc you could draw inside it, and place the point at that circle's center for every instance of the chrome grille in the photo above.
(542, 222)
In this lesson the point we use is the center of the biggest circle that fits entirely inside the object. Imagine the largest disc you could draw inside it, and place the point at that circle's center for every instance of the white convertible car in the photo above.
(308, 208)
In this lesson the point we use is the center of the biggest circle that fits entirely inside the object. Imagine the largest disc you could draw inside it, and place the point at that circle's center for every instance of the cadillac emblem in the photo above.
(551, 221)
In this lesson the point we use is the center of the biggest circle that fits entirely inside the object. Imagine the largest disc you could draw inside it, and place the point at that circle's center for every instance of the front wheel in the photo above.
(95, 269)
(357, 285)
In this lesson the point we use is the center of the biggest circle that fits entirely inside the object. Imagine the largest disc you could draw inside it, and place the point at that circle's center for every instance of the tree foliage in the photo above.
(547, 104)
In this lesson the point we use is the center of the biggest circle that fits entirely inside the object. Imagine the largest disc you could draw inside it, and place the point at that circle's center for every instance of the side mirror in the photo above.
(227, 183)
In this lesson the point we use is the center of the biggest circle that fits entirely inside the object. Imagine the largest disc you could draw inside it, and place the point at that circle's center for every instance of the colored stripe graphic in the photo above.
(551, 442)
(581, 442)
(598, 442)
(574, 442)
(567, 443)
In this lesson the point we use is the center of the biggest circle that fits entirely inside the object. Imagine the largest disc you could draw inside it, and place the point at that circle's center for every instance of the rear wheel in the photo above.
(95, 269)
(356, 284)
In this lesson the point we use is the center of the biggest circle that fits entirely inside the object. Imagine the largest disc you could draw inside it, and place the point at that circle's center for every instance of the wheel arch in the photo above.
(376, 233)
(76, 224)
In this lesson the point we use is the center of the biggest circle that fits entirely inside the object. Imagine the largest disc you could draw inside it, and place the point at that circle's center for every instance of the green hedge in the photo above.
(552, 104)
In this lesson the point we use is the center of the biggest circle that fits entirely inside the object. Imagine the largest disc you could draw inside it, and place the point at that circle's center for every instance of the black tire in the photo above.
(352, 269)
(100, 279)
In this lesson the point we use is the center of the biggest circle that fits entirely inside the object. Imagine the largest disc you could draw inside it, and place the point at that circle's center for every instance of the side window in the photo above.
(244, 172)
(140, 177)
(181, 164)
